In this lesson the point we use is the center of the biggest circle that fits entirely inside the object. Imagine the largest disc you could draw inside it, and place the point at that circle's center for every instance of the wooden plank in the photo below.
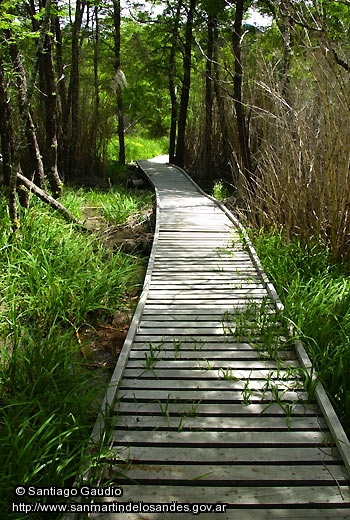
(237, 496)
(208, 384)
(214, 344)
(215, 410)
(248, 439)
(197, 341)
(169, 352)
(164, 318)
(267, 513)
(200, 365)
(164, 294)
(242, 475)
(218, 396)
(227, 455)
(198, 308)
(185, 423)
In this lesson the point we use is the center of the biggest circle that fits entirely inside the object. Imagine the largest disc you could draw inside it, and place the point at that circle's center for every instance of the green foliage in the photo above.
(53, 280)
(138, 147)
(315, 294)
(220, 192)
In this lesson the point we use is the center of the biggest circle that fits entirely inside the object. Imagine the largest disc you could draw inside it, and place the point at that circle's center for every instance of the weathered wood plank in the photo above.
(243, 475)
(221, 396)
(185, 423)
(238, 496)
(201, 364)
(214, 344)
(199, 341)
(227, 455)
(208, 384)
(241, 514)
(248, 439)
(214, 410)
(168, 351)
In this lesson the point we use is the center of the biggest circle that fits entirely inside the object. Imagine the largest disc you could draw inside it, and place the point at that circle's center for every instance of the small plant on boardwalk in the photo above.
(226, 374)
(164, 407)
(192, 411)
(247, 392)
(152, 358)
(260, 326)
(206, 364)
(177, 345)
(197, 344)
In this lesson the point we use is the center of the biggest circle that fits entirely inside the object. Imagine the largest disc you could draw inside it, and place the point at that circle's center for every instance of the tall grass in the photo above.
(303, 154)
(53, 280)
(316, 296)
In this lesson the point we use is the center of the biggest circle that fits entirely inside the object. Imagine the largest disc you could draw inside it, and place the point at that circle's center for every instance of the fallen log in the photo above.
(45, 197)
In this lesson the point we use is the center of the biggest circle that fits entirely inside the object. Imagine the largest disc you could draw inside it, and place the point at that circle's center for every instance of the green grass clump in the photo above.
(220, 192)
(117, 204)
(316, 296)
(137, 147)
(53, 280)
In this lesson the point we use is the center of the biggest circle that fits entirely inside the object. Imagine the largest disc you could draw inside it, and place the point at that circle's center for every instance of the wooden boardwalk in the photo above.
(208, 395)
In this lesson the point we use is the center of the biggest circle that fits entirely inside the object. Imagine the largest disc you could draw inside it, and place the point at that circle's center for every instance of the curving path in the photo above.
(208, 395)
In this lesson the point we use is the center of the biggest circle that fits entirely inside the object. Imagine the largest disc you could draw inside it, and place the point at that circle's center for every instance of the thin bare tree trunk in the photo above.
(71, 115)
(219, 94)
(186, 85)
(172, 86)
(51, 121)
(23, 119)
(95, 121)
(6, 129)
(33, 166)
(119, 79)
(242, 126)
(209, 98)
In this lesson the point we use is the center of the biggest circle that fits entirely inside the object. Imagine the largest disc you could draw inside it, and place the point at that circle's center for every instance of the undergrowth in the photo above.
(316, 295)
(53, 280)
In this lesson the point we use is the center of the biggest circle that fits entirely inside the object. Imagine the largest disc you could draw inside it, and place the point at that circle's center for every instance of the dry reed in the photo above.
(303, 156)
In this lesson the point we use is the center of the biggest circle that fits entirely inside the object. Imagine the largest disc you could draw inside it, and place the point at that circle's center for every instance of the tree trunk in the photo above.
(62, 132)
(242, 127)
(32, 164)
(219, 94)
(71, 116)
(6, 130)
(172, 85)
(51, 121)
(95, 121)
(119, 80)
(209, 98)
(16, 163)
(186, 85)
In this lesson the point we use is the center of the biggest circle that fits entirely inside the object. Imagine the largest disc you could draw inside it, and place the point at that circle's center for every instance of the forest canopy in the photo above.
(265, 109)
